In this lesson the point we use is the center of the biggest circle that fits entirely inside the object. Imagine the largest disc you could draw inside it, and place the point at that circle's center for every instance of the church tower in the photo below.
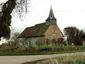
(51, 18)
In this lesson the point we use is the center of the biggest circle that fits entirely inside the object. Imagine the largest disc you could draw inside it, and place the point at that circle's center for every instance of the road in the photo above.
(28, 58)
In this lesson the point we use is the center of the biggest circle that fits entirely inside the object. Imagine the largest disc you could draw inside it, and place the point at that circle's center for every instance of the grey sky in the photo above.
(67, 12)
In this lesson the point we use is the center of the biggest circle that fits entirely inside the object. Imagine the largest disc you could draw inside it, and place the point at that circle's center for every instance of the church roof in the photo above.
(51, 15)
(39, 29)
(34, 31)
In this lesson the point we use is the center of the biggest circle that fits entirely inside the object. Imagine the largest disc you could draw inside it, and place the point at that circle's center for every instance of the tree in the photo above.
(14, 41)
(15, 36)
(74, 35)
(5, 15)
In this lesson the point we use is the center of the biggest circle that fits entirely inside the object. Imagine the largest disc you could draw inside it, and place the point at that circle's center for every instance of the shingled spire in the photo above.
(51, 18)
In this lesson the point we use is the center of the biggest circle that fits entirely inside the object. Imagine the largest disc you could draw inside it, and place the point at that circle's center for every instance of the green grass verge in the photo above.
(53, 50)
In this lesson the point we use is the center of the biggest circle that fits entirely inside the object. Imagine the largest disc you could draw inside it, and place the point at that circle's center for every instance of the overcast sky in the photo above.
(67, 13)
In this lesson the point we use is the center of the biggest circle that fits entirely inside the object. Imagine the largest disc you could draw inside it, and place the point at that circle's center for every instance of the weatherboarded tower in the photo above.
(43, 33)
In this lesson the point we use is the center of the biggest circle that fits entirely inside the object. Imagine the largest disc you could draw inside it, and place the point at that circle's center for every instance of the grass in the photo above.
(74, 59)
(44, 50)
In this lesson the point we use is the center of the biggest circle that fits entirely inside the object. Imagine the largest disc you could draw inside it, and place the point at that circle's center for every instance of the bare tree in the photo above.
(15, 36)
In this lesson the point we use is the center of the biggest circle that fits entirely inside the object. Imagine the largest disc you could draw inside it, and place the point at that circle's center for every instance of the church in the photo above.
(43, 33)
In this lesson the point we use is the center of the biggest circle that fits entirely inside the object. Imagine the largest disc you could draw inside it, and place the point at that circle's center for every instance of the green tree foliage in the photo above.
(74, 35)
(5, 15)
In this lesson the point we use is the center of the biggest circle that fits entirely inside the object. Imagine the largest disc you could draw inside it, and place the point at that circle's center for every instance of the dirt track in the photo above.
(28, 58)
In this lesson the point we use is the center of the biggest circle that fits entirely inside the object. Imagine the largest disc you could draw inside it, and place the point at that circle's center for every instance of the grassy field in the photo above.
(43, 50)
(75, 59)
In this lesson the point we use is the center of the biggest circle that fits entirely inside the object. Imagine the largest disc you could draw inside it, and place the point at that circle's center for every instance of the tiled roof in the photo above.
(34, 31)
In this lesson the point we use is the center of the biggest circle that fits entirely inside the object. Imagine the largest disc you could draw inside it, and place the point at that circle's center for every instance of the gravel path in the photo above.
(28, 58)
